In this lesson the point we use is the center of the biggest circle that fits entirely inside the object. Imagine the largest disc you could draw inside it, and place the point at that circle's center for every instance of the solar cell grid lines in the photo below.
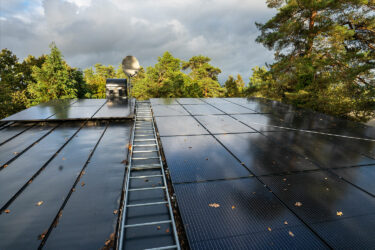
(246, 173)
(299, 159)
(62, 185)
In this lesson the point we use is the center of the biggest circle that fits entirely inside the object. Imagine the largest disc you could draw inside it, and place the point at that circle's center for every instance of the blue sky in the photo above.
(105, 31)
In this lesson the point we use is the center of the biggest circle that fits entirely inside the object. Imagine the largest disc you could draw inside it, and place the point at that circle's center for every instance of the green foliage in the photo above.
(166, 79)
(54, 80)
(14, 78)
(234, 88)
(325, 56)
(96, 79)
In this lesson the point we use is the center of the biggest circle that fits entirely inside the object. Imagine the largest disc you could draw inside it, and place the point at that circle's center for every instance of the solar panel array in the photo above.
(253, 173)
(61, 183)
(83, 109)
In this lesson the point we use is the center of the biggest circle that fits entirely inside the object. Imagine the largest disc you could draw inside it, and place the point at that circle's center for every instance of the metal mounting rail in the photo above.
(145, 175)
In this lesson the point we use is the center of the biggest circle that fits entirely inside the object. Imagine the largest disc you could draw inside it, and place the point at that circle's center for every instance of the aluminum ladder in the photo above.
(146, 191)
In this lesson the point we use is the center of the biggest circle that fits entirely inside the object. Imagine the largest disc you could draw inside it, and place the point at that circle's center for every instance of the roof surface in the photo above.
(247, 173)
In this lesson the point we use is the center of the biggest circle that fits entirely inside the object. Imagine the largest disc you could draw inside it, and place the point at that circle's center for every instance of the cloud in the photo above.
(105, 31)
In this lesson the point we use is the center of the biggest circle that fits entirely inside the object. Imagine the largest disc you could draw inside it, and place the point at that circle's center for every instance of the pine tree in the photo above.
(324, 52)
(54, 80)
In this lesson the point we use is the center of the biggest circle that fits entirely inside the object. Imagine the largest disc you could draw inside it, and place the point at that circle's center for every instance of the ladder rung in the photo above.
(145, 158)
(146, 176)
(145, 151)
(149, 223)
(144, 189)
(162, 248)
(145, 145)
(145, 168)
(145, 140)
(145, 135)
(148, 204)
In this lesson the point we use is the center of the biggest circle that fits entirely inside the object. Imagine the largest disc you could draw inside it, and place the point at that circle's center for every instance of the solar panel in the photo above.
(100, 195)
(219, 124)
(322, 149)
(332, 207)
(262, 156)
(294, 145)
(89, 102)
(203, 109)
(189, 101)
(23, 168)
(179, 125)
(76, 112)
(233, 212)
(169, 110)
(163, 101)
(15, 147)
(116, 108)
(362, 177)
(41, 111)
(11, 131)
(231, 108)
(197, 158)
(60, 174)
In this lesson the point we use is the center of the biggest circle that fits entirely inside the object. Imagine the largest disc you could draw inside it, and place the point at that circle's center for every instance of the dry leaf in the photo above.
(130, 147)
(7, 211)
(285, 222)
(6, 165)
(233, 207)
(41, 236)
(125, 162)
(269, 229)
(339, 213)
(291, 233)
(298, 204)
(215, 205)
(115, 211)
(158, 227)
(15, 153)
(107, 242)
(167, 231)
(39, 203)
(63, 158)
(82, 184)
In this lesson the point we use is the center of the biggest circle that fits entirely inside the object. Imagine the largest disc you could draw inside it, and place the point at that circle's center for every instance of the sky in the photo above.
(105, 31)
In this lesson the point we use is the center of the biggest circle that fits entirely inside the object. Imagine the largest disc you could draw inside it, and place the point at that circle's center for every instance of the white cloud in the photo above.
(91, 31)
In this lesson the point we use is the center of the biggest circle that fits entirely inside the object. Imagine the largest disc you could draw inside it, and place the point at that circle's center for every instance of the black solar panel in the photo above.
(60, 174)
(190, 101)
(233, 212)
(323, 149)
(299, 155)
(202, 109)
(41, 111)
(82, 109)
(179, 125)
(262, 156)
(169, 110)
(116, 108)
(362, 177)
(163, 101)
(218, 124)
(331, 206)
(103, 177)
(197, 158)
